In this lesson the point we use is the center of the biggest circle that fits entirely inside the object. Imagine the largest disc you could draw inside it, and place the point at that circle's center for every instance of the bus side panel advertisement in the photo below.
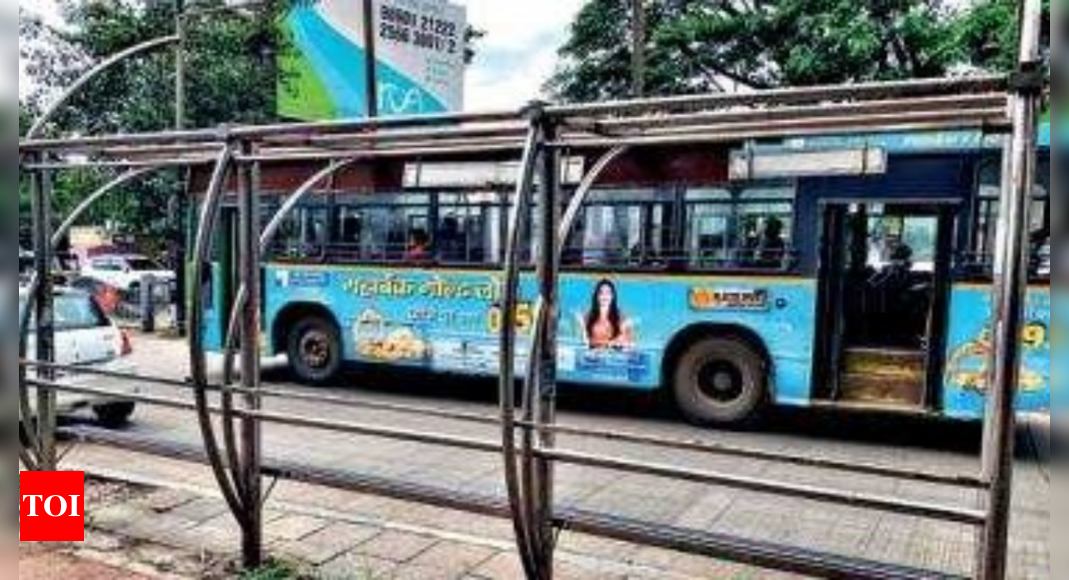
(970, 351)
(614, 330)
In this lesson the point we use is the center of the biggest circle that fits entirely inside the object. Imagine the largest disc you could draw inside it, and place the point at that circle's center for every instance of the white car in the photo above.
(126, 272)
(26, 265)
(84, 336)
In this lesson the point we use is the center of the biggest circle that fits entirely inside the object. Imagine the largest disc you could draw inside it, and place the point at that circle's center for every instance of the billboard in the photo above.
(419, 48)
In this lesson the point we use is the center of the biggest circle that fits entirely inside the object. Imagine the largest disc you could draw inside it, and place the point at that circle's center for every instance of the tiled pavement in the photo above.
(346, 535)
(185, 533)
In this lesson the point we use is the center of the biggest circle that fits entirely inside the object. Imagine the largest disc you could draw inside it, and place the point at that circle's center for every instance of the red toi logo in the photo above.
(52, 506)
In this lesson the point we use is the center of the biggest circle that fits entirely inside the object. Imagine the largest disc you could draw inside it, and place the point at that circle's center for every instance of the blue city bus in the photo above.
(866, 289)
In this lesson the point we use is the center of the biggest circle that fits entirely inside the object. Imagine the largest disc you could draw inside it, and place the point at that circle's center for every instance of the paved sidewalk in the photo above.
(188, 533)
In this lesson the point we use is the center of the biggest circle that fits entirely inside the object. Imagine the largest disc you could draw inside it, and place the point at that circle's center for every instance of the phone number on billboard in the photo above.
(406, 27)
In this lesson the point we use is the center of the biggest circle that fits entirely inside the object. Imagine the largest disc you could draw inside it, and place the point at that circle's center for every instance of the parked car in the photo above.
(64, 266)
(85, 336)
(25, 265)
(126, 272)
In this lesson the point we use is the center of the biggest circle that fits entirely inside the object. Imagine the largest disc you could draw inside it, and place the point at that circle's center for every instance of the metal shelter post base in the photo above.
(1010, 292)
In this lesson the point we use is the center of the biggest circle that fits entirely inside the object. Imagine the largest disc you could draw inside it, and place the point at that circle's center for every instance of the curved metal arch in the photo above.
(542, 329)
(242, 295)
(31, 290)
(507, 380)
(198, 364)
(101, 67)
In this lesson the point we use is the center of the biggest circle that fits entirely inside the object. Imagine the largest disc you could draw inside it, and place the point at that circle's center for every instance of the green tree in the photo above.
(987, 33)
(229, 54)
(715, 45)
(231, 65)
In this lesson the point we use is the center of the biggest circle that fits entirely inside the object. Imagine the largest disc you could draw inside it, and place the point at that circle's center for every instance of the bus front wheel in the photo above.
(314, 349)
(720, 382)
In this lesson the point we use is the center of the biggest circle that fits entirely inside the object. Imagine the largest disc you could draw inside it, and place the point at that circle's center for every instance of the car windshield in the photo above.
(143, 265)
(72, 312)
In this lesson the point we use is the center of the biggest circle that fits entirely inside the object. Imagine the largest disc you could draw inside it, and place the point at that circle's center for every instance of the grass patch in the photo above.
(273, 570)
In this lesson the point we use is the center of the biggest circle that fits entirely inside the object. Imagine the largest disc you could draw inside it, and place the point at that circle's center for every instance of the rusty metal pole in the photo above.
(549, 282)
(180, 217)
(44, 337)
(1010, 292)
(541, 378)
(251, 435)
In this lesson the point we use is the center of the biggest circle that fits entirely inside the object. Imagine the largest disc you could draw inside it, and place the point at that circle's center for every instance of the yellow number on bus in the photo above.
(524, 318)
(1035, 336)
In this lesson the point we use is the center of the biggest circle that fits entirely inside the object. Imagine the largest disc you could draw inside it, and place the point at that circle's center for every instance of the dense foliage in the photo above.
(718, 45)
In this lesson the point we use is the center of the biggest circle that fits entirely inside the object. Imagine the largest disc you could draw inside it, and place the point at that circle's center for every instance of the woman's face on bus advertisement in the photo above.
(606, 296)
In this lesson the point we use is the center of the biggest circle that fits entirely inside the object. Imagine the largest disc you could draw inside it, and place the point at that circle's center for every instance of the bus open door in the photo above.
(885, 279)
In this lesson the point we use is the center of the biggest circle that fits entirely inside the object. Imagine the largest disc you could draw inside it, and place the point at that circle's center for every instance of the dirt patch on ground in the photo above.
(39, 562)
(109, 554)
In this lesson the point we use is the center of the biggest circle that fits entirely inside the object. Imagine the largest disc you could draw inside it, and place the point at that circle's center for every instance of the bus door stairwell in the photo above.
(885, 273)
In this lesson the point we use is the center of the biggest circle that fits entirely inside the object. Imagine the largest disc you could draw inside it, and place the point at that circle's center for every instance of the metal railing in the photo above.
(231, 411)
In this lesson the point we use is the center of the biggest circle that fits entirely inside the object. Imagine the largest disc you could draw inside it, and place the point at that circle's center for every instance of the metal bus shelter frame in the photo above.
(230, 411)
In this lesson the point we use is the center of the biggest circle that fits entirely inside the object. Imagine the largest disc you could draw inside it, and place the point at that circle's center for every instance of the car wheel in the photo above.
(113, 415)
(315, 351)
(721, 382)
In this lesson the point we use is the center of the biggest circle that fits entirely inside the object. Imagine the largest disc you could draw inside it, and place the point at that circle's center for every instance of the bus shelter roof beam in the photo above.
(665, 107)
(955, 103)
(270, 156)
(257, 133)
(792, 96)
(722, 135)
(122, 164)
(516, 130)
(834, 121)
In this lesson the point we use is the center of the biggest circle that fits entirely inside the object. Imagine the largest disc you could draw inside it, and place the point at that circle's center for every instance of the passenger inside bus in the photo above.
(418, 246)
(451, 243)
(350, 237)
(772, 248)
(899, 299)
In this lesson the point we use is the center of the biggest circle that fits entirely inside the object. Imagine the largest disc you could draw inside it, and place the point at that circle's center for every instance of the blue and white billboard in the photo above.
(419, 52)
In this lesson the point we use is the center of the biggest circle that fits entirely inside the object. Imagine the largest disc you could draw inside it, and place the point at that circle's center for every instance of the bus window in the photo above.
(748, 228)
(979, 259)
(348, 242)
(468, 228)
(620, 228)
(709, 216)
(380, 228)
(304, 234)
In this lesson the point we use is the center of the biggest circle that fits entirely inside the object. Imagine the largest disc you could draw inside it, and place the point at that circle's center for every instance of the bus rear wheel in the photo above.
(314, 349)
(720, 382)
